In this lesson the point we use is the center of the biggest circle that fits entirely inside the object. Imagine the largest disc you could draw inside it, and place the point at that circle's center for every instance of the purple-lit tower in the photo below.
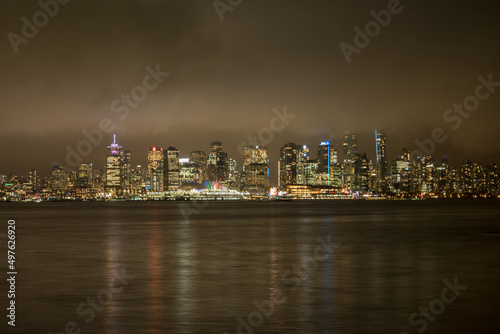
(114, 163)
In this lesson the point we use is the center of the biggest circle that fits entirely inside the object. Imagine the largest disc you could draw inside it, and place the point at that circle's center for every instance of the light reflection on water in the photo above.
(199, 276)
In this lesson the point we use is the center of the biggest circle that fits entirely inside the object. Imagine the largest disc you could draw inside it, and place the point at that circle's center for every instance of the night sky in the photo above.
(227, 77)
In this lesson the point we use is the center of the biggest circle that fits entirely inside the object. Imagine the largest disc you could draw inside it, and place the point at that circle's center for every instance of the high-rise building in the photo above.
(492, 179)
(234, 175)
(172, 178)
(217, 168)
(381, 166)
(425, 175)
(479, 185)
(59, 179)
(189, 174)
(199, 158)
(85, 176)
(137, 183)
(114, 163)
(466, 178)
(453, 181)
(327, 157)
(287, 165)
(350, 145)
(33, 180)
(401, 174)
(442, 172)
(155, 174)
(361, 173)
(302, 158)
(350, 148)
(126, 168)
(255, 178)
(336, 175)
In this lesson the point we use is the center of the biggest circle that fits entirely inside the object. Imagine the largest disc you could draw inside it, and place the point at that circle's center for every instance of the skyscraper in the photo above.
(155, 174)
(381, 166)
(255, 169)
(350, 148)
(361, 172)
(287, 167)
(85, 176)
(199, 158)
(59, 178)
(126, 168)
(33, 180)
(172, 178)
(401, 173)
(302, 160)
(327, 158)
(217, 168)
(465, 177)
(114, 162)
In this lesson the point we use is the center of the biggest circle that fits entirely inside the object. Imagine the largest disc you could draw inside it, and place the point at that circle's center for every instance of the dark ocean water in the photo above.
(330, 267)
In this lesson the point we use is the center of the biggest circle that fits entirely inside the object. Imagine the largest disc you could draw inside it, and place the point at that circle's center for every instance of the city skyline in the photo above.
(340, 146)
(301, 174)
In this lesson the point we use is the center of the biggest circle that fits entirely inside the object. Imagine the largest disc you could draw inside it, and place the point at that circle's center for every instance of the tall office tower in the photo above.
(492, 180)
(442, 172)
(85, 177)
(33, 180)
(59, 178)
(234, 175)
(336, 175)
(311, 176)
(302, 159)
(381, 167)
(287, 165)
(137, 183)
(478, 179)
(350, 145)
(465, 177)
(401, 174)
(453, 181)
(361, 172)
(188, 173)
(424, 175)
(114, 163)
(217, 168)
(199, 158)
(126, 168)
(172, 178)
(350, 148)
(255, 178)
(155, 174)
(327, 157)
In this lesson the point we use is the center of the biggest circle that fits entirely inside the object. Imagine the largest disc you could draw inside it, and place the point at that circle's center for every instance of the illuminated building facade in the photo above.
(361, 173)
(287, 165)
(381, 166)
(302, 158)
(465, 177)
(350, 148)
(327, 157)
(137, 181)
(85, 180)
(114, 162)
(255, 178)
(172, 169)
(155, 175)
(59, 178)
(217, 169)
(199, 158)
